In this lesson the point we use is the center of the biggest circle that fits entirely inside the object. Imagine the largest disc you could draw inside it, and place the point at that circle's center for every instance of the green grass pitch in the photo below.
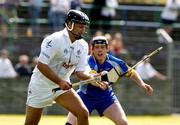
(94, 120)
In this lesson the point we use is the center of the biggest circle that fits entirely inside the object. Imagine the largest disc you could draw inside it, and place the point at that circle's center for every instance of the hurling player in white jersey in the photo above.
(61, 54)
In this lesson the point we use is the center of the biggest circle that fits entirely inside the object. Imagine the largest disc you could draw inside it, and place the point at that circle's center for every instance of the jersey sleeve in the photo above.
(48, 50)
(83, 60)
(124, 68)
(130, 73)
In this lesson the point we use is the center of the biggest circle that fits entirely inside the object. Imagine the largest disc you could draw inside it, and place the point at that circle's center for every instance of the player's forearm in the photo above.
(49, 73)
(83, 76)
(137, 79)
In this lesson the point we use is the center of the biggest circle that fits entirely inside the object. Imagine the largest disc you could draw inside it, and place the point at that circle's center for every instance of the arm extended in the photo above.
(135, 77)
(50, 74)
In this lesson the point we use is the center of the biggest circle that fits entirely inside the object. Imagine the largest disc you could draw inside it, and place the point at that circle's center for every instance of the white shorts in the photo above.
(40, 95)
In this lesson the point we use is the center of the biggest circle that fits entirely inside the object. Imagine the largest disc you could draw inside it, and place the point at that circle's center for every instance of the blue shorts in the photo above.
(100, 104)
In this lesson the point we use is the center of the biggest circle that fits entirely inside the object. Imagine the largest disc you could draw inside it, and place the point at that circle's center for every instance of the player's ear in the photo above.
(90, 49)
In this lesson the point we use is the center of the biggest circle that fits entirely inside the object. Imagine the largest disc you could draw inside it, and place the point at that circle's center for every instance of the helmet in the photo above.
(99, 40)
(77, 16)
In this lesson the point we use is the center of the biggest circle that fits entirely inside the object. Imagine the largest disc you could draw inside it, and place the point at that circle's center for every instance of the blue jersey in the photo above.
(109, 63)
(94, 97)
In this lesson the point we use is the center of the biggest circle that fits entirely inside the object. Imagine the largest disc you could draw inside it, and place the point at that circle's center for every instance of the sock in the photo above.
(68, 123)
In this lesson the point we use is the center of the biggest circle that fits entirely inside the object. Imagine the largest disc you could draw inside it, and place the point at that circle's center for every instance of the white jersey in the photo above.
(110, 8)
(7, 69)
(171, 10)
(62, 56)
(146, 71)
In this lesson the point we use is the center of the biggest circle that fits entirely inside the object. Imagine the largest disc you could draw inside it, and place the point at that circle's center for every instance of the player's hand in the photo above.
(64, 85)
(99, 74)
(101, 84)
(148, 89)
(96, 83)
(104, 85)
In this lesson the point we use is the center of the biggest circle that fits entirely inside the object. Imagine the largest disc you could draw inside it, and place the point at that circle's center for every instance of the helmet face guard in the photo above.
(77, 16)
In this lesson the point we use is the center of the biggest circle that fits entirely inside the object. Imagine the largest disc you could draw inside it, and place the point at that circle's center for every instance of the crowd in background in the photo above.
(105, 11)
(21, 69)
(8, 16)
(116, 48)
(169, 15)
(101, 13)
(56, 15)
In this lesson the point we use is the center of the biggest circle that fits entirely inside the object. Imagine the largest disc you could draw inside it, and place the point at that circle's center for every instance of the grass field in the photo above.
(94, 120)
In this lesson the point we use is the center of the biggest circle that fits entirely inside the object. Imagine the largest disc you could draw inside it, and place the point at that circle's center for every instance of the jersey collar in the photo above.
(65, 32)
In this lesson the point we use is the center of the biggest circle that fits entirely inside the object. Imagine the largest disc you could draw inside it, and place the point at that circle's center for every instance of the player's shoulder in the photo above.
(91, 61)
(90, 58)
(83, 43)
(117, 62)
(115, 59)
(54, 38)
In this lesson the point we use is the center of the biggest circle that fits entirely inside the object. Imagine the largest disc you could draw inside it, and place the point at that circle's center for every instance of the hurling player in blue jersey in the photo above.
(102, 98)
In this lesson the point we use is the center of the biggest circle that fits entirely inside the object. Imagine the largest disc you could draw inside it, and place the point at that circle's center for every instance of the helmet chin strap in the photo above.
(70, 29)
(72, 26)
